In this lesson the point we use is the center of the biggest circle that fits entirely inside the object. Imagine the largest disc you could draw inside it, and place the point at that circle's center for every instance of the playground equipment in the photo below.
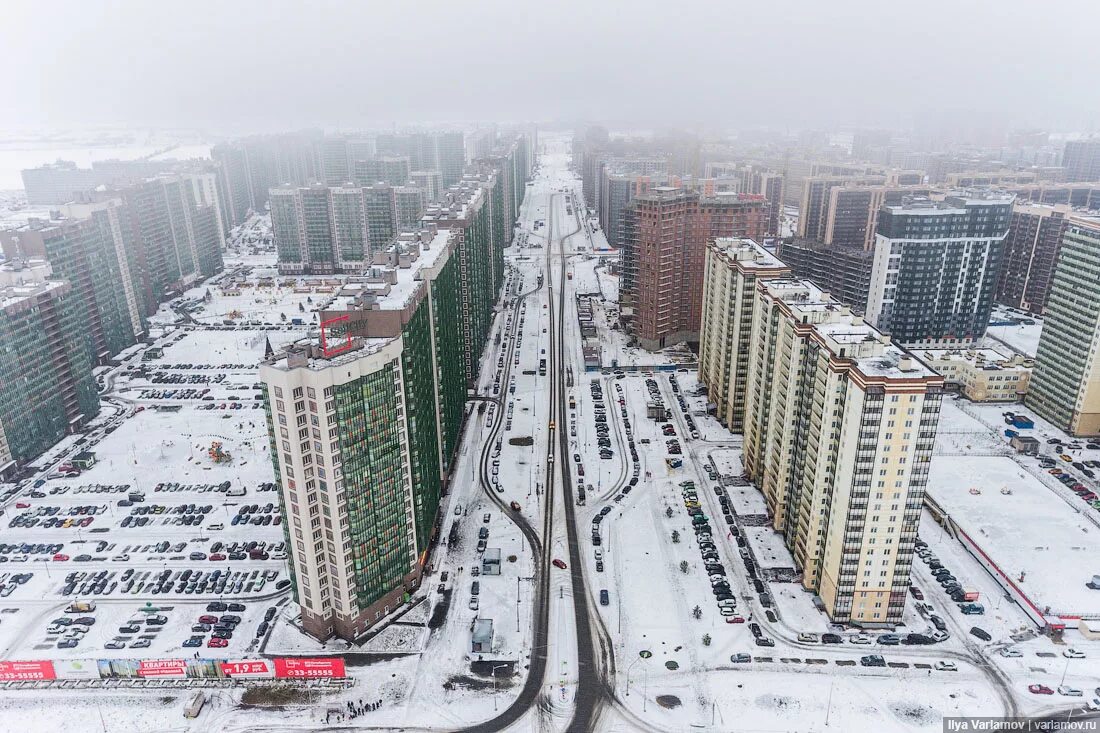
(217, 454)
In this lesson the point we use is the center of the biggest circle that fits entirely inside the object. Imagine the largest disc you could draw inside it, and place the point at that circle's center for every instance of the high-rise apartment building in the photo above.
(99, 258)
(617, 190)
(58, 183)
(431, 182)
(850, 218)
(408, 205)
(1030, 251)
(1081, 160)
(662, 259)
(320, 229)
(389, 169)
(1065, 386)
(364, 433)
(843, 272)
(839, 428)
(47, 389)
(467, 211)
(450, 157)
(379, 201)
(733, 267)
(936, 266)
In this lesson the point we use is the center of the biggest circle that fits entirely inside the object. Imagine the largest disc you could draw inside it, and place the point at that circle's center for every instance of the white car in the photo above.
(473, 603)
(1072, 653)
(1068, 691)
(1093, 705)
(947, 667)
(940, 636)
(1011, 652)
(859, 639)
(811, 638)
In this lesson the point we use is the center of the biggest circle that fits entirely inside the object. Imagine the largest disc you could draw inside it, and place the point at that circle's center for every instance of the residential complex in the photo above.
(321, 229)
(665, 235)
(1030, 251)
(839, 427)
(936, 266)
(47, 389)
(980, 375)
(1065, 388)
(733, 267)
(363, 433)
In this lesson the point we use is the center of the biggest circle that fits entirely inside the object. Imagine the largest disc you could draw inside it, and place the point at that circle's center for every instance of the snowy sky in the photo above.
(274, 64)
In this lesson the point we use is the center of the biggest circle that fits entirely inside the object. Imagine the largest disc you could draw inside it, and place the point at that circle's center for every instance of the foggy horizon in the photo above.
(264, 67)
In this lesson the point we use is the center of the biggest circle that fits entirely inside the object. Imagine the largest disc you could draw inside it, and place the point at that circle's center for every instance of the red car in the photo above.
(217, 643)
(208, 619)
(735, 619)
(216, 556)
(559, 563)
(86, 521)
(60, 558)
(22, 505)
(1039, 690)
(515, 506)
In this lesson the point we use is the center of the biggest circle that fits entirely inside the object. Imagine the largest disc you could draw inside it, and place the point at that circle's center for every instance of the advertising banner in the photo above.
(170, 668)
(309, 667)
(76, 669)
(39, 670)
(249, 668)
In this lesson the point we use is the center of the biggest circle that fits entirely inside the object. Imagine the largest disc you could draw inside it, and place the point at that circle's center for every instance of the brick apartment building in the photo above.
(665, 235)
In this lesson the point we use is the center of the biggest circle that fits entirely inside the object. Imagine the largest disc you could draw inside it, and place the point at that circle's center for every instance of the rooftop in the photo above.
(746, 253)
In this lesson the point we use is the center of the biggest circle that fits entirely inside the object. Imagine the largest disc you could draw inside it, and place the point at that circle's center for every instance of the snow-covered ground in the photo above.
(1021, 336)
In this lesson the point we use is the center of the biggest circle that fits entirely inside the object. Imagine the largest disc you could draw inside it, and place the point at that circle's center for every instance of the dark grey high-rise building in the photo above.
(1081, 159)
(936, 267)
(1031, 250)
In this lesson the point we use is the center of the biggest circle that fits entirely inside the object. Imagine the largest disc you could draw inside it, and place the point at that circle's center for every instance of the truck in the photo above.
(970, 595)
(1023, 422)
(81, 607)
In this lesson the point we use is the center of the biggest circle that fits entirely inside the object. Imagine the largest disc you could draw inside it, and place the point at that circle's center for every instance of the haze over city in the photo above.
(549, 367)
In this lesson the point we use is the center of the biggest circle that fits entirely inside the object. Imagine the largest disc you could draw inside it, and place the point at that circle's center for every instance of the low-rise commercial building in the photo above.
(981, 375)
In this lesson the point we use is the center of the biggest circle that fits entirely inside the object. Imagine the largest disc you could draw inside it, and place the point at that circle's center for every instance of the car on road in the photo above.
(947, 666)
(872, 660)
(560, 564)
(741, 658)
(980, 633)
(1011, 652)
(473, 603)
(1072, 653)
(809, 638)
(735, 619)
(1093, 705)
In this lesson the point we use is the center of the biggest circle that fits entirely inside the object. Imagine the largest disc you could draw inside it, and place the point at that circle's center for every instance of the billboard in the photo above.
(37, 670)
(309, 667)
(248, 668)
(76, 669)
(174, 669)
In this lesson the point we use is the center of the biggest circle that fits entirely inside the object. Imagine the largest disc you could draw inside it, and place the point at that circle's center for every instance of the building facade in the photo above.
(1065, 388)
(665, 235)
(1081, 159)
(843, 272)
(980, 375)
(936, 266)
(363, 440)
(321, 229)
(839, 428)
(733, 267)
(1030, 251)
(47, 389)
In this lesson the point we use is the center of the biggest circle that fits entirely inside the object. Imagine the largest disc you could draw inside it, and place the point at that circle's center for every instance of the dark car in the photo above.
(831, 639)
(980, 633)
